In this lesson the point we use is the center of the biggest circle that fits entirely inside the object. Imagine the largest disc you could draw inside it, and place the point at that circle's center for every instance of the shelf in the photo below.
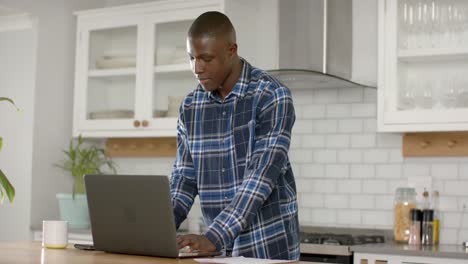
(112, 72)
(168, 68)
(432, 54)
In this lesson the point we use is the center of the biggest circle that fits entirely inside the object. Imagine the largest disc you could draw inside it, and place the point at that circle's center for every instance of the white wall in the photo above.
(17, 60)
(53, 99)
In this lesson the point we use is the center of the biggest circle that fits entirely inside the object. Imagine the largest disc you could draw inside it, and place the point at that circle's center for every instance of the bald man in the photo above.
(233, 137)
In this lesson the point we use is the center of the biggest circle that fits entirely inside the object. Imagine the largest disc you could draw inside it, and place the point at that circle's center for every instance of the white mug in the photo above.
(54, 234)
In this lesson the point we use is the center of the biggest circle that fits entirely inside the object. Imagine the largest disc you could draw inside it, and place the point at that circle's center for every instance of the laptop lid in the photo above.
(132, 214)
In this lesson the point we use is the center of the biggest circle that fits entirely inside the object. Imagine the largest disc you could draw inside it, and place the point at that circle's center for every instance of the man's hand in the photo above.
(195, 242)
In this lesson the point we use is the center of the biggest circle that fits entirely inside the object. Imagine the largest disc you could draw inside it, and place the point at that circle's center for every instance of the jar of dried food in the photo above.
(405, 200)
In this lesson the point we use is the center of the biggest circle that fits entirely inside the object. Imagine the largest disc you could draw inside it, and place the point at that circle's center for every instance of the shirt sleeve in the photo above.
(183, 181)
(274, 121)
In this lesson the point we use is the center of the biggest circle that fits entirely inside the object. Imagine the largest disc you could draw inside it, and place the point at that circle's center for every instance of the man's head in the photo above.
(211, 45)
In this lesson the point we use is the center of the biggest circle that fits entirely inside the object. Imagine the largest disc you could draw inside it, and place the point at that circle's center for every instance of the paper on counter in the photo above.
(241, 260)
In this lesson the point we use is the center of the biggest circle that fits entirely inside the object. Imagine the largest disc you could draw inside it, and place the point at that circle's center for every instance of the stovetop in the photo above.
(337, 241)
(340, 239)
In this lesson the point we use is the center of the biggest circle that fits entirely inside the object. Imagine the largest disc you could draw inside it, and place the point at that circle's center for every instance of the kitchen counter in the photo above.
(440, 251)
(32, 252)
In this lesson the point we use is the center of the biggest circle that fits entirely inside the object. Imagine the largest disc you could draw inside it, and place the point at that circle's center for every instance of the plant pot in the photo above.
(74, 210)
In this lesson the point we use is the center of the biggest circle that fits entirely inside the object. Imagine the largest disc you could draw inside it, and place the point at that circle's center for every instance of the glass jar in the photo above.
(427, 235)
(415, 227)
(405, 200)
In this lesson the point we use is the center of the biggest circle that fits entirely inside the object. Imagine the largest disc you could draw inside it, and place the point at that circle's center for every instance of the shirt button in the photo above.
(224, 113)
(223, 170)
(225, 197)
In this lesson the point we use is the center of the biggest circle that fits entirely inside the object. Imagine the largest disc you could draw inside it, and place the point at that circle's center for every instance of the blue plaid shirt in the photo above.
(234, 155)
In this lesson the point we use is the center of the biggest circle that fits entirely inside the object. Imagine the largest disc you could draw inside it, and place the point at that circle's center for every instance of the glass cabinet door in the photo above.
(425, 62)
(172, 77)
(111, 77)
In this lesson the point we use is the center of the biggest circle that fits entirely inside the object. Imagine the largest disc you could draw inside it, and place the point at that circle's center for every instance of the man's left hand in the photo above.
(195, 242)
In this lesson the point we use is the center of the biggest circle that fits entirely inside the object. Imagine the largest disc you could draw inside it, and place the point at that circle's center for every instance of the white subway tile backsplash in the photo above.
(313, 111)
(370, 125)
(389, 171)
(444, 171)
(463, 172)
(448, 203)
(389, 140)
(301, 97)
(311, 170)
(412, 170)
(302, 127)
(301, 156)
(303, 185)
(374, 186)
(350, 126)
(448, 236)
(328, 95)
(312, 200)
(370, 95)
(313, 141)
(384, 202)
(336, 201)
(377, 218)
(361, 201)
(456, 187)
(325, 156)
(349, 186)
(324, 216)
(395, 156)
(394, 184)
(324, 126)
(363, 141)
(462, 236)
(305, 216)
(349, 156)
(348, 217)
(362, 171)
(324, 186)
(296, 142)
(338, 110)
(336, 171)
(337, 141)
(451, 220)
(363, 110)
(375, 156)
(350, 95)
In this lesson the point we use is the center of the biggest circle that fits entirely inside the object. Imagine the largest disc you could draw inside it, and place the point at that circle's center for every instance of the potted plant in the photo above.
(5, 185)
(80, 160)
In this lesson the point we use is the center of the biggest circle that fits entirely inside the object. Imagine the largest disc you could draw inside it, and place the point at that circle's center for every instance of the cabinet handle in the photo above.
(451, 143)
(136, 123)
(145, 123)
(424, 144)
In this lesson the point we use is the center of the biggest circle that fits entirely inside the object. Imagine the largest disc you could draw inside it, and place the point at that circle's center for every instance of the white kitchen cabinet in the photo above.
(367, 258)
(132, 69)
(423, 65)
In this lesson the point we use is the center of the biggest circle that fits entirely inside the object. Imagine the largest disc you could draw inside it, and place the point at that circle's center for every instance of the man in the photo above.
(233, 137)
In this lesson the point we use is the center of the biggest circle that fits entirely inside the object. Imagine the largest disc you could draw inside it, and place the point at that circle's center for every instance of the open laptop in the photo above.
(132, 214)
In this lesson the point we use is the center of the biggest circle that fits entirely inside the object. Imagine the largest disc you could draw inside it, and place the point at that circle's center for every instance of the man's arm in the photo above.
(183, 181)
(269, 160)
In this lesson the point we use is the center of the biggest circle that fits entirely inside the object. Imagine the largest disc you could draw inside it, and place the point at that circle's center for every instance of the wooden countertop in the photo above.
(32, 252)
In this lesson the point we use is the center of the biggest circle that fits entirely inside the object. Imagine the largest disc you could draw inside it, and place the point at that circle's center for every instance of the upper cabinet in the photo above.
(423, 65)
(132, 70)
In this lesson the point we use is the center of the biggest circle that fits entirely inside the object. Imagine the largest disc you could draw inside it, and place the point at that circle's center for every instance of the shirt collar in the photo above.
(241, 85)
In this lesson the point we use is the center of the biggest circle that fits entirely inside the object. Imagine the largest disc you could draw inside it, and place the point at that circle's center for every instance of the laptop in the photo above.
(132, 214)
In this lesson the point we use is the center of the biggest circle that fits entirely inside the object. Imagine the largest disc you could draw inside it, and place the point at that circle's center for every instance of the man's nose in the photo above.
(198, 66)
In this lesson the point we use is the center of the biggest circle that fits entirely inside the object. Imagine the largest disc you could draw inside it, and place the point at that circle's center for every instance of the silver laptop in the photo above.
(132, 214)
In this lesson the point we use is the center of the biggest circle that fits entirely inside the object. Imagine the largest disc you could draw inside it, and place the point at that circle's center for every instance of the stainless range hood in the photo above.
(327, 43)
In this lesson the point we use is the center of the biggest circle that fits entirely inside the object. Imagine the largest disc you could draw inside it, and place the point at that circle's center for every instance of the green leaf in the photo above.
(1, 143)
(6, 185)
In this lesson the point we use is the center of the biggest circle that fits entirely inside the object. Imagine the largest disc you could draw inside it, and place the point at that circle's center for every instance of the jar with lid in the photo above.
(415, 227)
(405, 200)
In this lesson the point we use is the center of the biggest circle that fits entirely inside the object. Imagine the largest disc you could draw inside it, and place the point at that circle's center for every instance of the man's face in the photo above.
(210, 60)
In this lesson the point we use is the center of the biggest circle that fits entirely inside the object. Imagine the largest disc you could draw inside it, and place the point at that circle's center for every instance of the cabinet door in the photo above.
(107, 81)
(423, 61)
(168, 64)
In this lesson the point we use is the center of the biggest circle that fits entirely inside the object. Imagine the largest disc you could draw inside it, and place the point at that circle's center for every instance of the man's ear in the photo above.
(232, 49)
